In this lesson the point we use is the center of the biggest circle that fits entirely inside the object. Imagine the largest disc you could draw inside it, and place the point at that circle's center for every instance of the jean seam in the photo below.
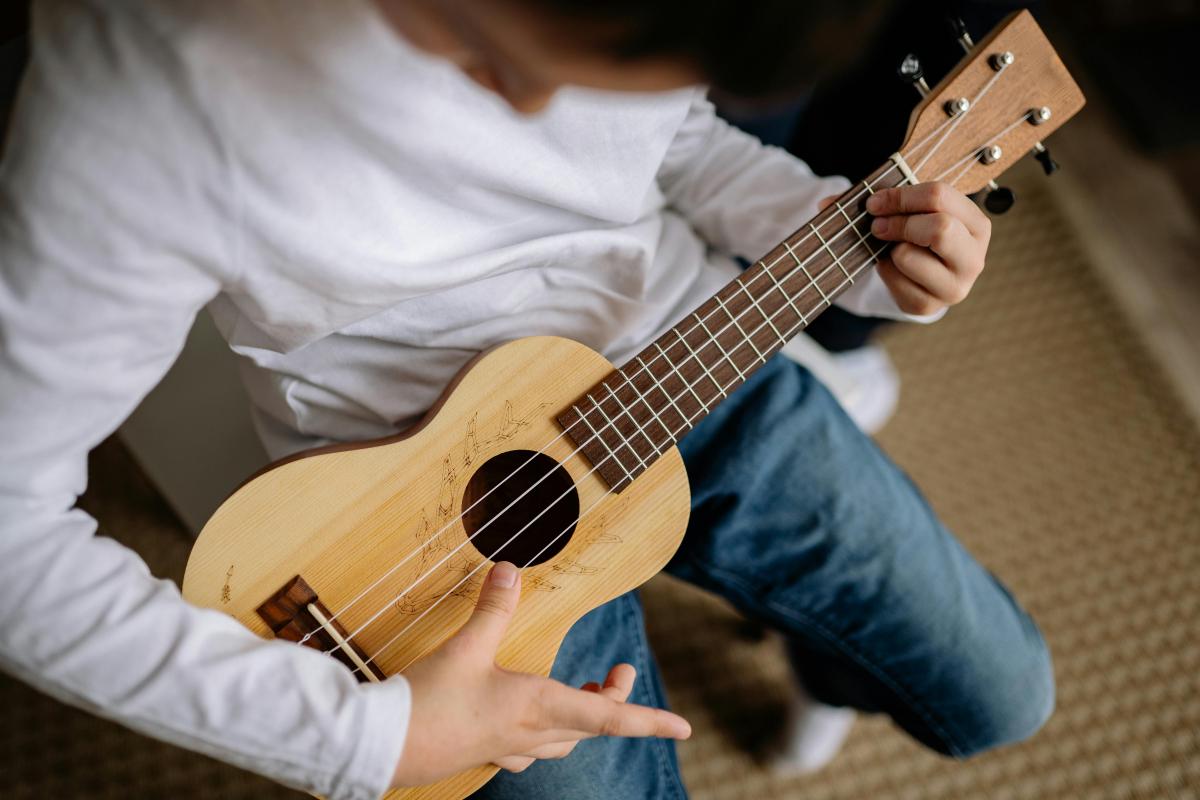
(670, 776)
(940, 727)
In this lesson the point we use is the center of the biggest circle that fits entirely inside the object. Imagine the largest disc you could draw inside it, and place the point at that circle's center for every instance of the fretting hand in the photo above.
(942, 239)
(467, 711)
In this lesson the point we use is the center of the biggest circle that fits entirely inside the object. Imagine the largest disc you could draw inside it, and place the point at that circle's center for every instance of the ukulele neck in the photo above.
(639, 411)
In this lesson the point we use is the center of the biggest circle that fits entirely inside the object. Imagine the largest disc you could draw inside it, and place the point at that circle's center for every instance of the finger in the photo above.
(514, 763)
(570, 710)
(929, 197)
(826, 202)
(929, 272)
(591, 686)
(619, 682)
(942, 233)
(553, 750)
(910, 297)
(494, 608)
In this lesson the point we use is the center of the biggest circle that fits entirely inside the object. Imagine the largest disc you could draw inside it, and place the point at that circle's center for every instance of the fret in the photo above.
(612, 424)
(717, 342)
(682, 416)
(849, 221)
(782, 291)
(636, 424)
(829, 250)
(596, 435)
(650, 408)
(754, 302)
(736, 324)
(811, 274)
(811, 280)
(686, 385)
(700, 361)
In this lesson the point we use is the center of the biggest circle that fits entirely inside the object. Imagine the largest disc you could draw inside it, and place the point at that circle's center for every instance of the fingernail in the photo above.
(504, 575)
(879, 226)
(874, 202)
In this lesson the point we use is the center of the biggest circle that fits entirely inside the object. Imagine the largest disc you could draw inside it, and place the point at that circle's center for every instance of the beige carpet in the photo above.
(1035, 423)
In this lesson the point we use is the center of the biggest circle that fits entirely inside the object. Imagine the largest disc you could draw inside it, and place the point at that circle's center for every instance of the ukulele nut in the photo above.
(1001, 60)
(990, 155)
(1039, 116)
(955, 107)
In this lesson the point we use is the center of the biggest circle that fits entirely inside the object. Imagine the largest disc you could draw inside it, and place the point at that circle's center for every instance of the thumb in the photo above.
(494, 608)
(825, 202)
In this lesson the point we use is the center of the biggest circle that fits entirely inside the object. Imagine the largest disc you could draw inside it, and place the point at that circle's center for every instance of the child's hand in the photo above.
(466, 711)
(943, 239)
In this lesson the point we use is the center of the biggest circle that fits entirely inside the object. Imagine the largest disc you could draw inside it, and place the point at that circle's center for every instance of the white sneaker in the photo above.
(814, 734)
(864, 381)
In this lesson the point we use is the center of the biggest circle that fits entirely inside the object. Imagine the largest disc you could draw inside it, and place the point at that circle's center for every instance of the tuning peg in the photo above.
(1042, 154)
(910, 72)
(999, 198)
(961, 34)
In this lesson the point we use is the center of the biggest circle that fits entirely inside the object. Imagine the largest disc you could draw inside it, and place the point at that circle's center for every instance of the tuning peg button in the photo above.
(1000, 199)
(1042, 154)
(910, 72)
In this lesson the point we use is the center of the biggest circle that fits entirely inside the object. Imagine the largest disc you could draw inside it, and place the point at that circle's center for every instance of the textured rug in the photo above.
(1039, 428)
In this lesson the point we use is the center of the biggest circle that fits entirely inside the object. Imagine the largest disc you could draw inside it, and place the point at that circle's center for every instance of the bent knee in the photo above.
(1016, 704)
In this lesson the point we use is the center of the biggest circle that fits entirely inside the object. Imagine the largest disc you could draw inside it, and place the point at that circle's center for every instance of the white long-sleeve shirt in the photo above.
(360, 219)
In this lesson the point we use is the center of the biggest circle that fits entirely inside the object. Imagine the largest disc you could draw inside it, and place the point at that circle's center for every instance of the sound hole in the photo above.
(525, 531)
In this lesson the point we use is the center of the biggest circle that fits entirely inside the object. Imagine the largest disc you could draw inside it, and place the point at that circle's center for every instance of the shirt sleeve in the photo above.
(112, 219)
(745, 197)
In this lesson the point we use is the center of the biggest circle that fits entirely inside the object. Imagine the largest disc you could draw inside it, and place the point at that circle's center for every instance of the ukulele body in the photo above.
(342, 517)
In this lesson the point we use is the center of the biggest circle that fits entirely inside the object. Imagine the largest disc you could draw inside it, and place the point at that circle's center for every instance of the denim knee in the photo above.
(1016, 702)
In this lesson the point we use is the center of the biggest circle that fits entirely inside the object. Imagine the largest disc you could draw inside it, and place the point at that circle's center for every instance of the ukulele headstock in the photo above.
(1009, 93)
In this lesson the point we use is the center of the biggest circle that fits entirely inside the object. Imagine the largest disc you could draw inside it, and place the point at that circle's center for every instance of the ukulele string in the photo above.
(686, 388)
(687, 422)
(596, 434)
(713, 340)
(386, 645)
(645, 368)
(971, 159)
(957, 119)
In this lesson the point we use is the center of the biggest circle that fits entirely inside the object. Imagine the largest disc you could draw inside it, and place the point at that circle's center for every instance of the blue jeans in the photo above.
(802, 523)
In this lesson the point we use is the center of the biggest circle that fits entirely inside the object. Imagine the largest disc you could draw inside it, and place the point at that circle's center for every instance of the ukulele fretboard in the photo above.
(627, 420)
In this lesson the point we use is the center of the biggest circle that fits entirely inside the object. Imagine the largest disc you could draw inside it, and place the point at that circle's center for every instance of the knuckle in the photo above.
(611, 726)
(563, 751)
(535, 706)
(943, 224)
(490, 604)
(940, 194)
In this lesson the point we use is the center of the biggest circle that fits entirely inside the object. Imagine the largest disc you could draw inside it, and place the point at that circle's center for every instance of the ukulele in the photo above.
(542, 453)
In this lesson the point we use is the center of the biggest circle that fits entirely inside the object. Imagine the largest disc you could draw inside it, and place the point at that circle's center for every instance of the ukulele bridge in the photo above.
(295, 612)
